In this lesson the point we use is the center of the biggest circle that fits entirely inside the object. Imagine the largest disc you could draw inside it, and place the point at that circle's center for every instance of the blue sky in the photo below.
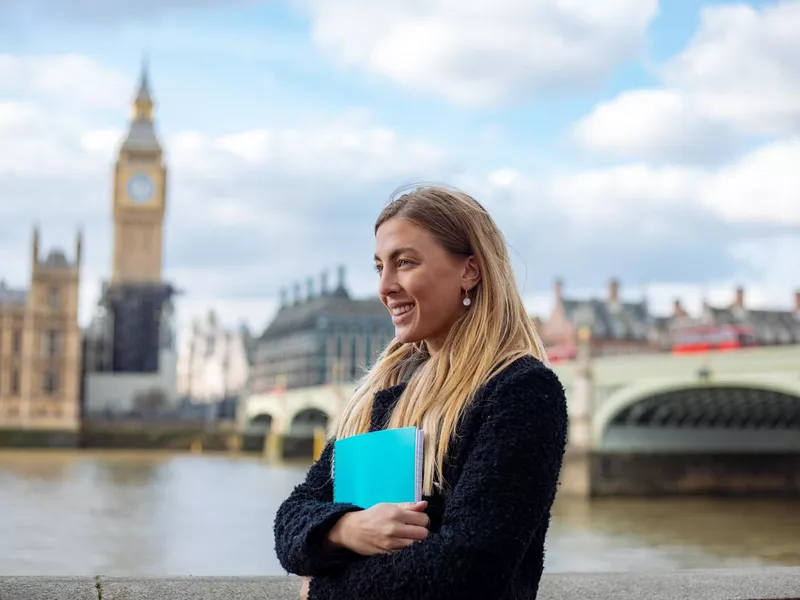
(650, 141)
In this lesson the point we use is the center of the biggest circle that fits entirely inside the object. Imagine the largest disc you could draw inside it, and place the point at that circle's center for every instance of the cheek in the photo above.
(438, 302)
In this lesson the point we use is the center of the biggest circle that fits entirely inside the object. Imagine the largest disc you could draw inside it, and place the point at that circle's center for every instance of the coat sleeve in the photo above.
(304, 519)
(503, 496)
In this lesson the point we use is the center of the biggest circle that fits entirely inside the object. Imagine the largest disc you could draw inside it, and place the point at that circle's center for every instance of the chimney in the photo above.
(613, 291)
(797, 301)
(309, 289)
(323, 283)
(678, 310)
(558, 290)
(296, 289)
(739, 301)
(340, 284)
(78, 248)
(283, 297)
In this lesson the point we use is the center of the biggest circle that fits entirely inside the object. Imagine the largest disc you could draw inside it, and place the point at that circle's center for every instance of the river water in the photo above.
(127, 514)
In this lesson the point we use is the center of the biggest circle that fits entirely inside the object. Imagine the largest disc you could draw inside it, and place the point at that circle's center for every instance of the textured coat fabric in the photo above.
(488, 524)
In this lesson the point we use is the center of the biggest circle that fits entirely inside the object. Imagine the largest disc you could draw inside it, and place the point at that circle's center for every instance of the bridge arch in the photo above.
(305, 421)
(687, 416)
(262, 422)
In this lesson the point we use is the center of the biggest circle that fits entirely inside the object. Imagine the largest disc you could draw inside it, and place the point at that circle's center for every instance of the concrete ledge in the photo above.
(719, 584)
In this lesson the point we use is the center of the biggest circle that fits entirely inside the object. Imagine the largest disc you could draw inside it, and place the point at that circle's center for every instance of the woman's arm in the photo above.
(304, 520)
(506, 488)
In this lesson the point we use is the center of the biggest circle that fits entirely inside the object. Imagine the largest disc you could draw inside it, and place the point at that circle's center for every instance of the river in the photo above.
(128, 514)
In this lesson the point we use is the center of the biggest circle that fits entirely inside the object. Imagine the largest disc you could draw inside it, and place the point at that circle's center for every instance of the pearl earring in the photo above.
(466, 301)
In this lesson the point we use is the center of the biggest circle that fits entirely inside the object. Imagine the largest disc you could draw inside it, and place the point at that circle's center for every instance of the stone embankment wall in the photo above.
(724, 584)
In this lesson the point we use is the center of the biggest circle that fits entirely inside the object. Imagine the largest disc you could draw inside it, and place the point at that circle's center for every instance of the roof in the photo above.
(333, 307)
(12, 296)
(141, 137)
(56, 259)
(771, 326)
(610, 320)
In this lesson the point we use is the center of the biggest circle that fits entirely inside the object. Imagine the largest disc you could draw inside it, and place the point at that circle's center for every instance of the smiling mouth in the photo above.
(400, 312)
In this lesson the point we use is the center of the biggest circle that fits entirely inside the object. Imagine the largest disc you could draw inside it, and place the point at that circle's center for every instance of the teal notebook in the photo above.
(379, 466)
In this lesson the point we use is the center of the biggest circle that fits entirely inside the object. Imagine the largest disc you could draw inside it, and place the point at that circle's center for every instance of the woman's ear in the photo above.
(472, 274)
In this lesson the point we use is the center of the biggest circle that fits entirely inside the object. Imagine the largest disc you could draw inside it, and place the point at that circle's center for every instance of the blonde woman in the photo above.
(466, 366)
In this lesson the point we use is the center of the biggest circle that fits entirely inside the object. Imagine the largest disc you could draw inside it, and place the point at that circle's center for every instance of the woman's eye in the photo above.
(378, 268)
(402, 262)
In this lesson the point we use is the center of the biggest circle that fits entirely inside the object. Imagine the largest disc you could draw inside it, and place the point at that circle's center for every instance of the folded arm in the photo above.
(502, 497)
(304, 520)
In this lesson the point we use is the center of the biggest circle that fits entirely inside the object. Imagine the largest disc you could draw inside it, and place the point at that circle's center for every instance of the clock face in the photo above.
(141, 188)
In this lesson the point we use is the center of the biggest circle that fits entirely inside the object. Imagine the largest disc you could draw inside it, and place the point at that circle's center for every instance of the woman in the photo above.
(465, 366)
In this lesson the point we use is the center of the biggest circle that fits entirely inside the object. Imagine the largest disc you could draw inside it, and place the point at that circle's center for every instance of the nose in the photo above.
(388, 283)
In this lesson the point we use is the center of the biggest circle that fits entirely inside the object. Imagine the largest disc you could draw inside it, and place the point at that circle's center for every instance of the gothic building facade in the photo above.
(324, 337)
(40, 347)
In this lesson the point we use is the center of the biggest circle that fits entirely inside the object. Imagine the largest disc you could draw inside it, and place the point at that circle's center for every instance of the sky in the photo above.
(653, 142)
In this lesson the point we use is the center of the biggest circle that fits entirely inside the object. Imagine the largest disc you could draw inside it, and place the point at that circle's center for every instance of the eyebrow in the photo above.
(398, 251)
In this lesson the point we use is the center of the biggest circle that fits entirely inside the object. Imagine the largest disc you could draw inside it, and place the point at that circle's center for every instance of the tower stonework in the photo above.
(129, 345)
(139, 197)
(40, 347)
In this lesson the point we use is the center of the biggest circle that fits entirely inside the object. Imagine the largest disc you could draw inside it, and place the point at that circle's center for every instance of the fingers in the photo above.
(410, 532)
(415, 506)
(415, 518)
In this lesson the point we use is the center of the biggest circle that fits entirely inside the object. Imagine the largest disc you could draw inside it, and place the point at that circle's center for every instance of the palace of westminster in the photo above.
(53, 375)
(47, 364)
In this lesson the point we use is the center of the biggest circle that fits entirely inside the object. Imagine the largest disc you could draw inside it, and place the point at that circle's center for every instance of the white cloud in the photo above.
(656, 125)
(608, 194)
(69, 79)
(762, 186)
(743, 66)
(759, 187)
(739, 75)
(476, 54)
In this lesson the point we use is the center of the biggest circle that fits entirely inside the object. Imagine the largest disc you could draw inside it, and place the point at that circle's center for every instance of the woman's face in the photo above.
(421, 283)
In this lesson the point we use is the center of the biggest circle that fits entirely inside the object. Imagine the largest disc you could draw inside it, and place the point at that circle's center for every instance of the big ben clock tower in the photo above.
(139, 197)
(134, 328)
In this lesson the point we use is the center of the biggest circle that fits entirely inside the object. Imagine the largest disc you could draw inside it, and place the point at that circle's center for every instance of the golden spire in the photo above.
(141, 135)
(143, 104)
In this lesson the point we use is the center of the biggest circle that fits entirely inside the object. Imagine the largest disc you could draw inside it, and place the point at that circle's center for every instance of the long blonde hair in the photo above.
(494, 332)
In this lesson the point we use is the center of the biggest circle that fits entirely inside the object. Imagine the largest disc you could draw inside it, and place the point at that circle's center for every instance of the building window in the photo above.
(50, 383)
(54, 297)
(51, 343)
(16, 342)
(15, 382)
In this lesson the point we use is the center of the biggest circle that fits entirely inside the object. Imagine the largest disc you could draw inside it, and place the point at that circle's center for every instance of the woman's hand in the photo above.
(381, 529)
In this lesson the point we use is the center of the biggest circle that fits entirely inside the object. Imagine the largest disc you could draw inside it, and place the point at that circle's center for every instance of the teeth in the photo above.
(399, 310)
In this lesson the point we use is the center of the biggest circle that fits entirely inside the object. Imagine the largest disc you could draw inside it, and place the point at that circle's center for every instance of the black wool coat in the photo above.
(488, 524)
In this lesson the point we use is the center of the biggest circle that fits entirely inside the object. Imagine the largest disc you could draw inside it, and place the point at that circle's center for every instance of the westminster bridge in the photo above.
(718, 422)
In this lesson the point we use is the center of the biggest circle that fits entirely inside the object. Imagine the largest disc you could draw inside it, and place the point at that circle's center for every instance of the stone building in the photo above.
(320, 338)
(40, 346)
(737, 324)
(129, 346)
(213, 362)
(616, 326)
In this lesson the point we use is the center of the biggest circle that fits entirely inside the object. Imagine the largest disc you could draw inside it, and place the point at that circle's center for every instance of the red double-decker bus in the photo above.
(559, 354)
(707, 338)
